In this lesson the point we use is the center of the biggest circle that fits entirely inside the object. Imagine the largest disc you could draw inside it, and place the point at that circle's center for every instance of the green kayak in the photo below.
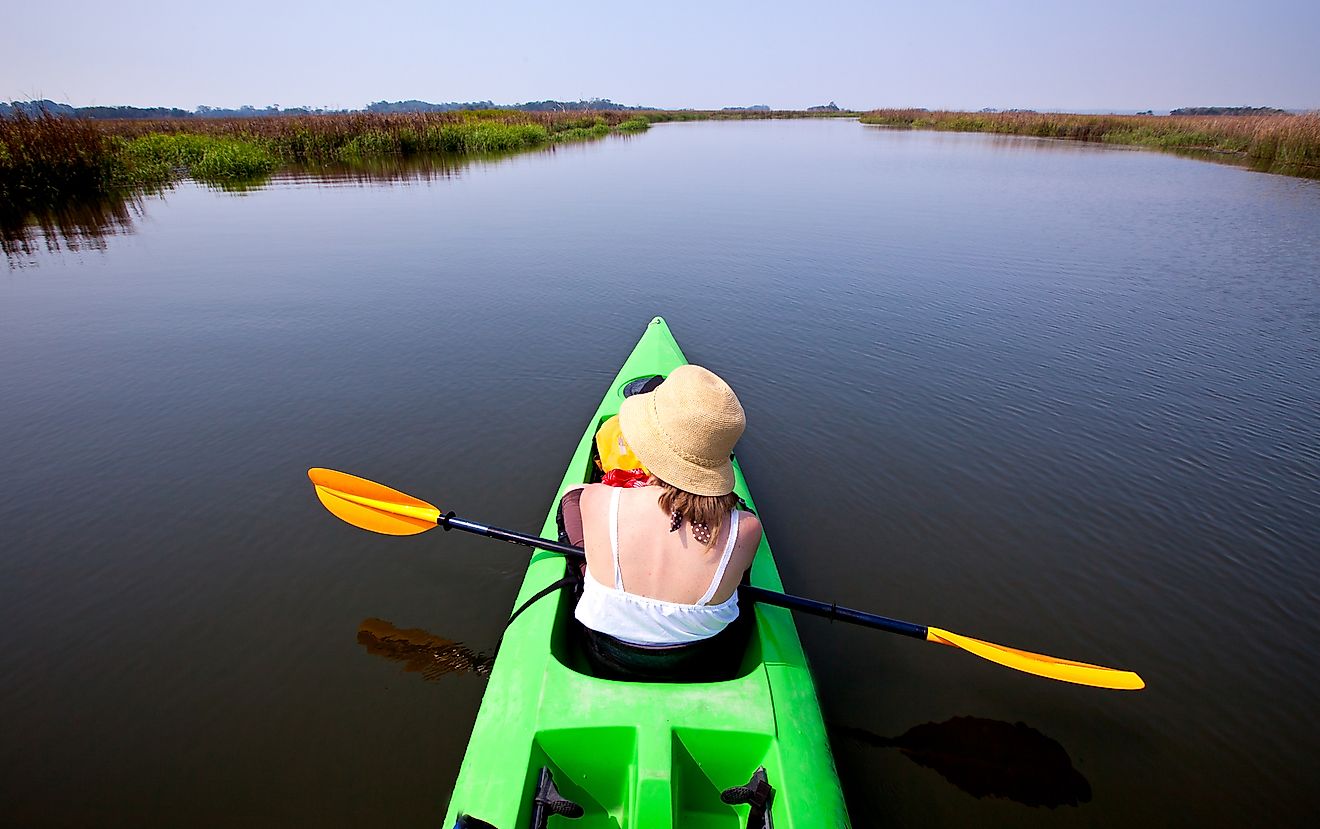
(748, 751)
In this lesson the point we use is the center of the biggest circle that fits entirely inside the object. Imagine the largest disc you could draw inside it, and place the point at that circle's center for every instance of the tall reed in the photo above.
(46, 157)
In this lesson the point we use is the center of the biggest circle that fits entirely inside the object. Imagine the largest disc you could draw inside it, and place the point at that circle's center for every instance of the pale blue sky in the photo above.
(956, 54)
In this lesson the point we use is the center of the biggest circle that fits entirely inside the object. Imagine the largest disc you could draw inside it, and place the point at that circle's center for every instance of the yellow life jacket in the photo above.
(613, 450)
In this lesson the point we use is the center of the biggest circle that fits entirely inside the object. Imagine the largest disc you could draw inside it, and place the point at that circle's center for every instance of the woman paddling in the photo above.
(664, 560)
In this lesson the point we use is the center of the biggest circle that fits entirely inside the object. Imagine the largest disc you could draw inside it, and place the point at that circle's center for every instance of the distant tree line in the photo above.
(35, 108)
(591, 104)
(423, 106)
(251, 111)
(1229, 111)
(588, 105)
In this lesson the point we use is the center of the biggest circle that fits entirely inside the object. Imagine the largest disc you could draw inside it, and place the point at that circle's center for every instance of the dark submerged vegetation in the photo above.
(1279, 143)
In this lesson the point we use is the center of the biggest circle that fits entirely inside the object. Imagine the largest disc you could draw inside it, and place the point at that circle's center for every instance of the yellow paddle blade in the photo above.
(1039, 664)
(370, 505)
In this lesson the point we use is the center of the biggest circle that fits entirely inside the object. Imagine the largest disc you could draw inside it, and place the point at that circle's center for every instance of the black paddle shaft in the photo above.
(832, 611)
(827, 610)
(452, 522)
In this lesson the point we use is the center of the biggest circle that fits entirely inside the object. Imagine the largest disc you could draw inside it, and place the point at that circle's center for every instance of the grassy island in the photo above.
(1277, 143)
(49, 162)
(46, 160)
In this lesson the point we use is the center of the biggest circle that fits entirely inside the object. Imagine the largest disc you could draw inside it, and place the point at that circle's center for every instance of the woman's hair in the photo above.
(697, 509)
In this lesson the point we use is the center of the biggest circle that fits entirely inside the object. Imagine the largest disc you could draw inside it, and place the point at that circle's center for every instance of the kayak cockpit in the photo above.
(731, 654)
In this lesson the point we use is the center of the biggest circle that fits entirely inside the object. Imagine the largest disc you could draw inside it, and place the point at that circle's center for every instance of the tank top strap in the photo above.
(614, 536)
(724, 561)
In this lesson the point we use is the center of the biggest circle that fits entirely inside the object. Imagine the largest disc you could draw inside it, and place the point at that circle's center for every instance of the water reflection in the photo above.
(990, 758)
(86, 224)
(394, 169)
(81, 225)
(421, 652)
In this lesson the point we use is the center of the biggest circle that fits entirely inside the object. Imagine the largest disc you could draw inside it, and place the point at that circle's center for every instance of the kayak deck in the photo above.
(640, 754)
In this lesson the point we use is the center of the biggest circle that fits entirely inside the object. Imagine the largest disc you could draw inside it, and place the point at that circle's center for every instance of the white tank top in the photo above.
(639, 620)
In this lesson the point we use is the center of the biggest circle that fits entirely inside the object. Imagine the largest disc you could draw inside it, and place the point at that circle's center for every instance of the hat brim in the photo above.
(641, 430)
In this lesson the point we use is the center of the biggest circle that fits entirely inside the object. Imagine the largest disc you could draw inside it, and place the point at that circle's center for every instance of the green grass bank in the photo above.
(47, 161)
(1287, 144)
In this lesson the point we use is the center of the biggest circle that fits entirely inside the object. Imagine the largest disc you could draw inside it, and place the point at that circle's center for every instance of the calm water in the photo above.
(1056, 396)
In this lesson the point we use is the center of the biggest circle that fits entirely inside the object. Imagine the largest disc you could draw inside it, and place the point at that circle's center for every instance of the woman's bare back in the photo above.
(657, 563)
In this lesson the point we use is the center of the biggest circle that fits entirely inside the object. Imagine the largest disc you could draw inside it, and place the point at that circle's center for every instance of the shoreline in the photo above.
(50, 162)
(1281, 144)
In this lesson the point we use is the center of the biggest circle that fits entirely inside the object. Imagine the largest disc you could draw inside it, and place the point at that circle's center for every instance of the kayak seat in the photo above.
(716, 659)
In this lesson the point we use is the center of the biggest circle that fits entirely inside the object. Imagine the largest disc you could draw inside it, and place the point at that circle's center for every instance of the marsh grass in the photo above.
(47, 160)
(45, 157)
(156, 158)
(1288, 144)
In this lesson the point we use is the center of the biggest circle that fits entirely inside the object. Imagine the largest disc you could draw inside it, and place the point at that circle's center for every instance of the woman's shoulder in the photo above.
(585, 488)
(597, 496)
(591, 492)
(749, 528)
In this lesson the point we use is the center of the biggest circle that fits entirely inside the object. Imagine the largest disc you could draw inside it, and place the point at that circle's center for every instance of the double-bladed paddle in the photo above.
(378, 508)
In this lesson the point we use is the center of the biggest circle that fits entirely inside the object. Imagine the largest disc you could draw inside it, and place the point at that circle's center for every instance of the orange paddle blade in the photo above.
(370, 505)
(1039, 664)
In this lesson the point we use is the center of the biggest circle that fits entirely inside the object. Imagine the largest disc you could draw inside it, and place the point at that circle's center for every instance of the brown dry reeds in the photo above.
(44, 157)
(1279, 143)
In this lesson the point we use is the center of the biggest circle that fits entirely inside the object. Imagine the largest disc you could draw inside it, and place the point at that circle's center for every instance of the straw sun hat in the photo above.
(684, 430)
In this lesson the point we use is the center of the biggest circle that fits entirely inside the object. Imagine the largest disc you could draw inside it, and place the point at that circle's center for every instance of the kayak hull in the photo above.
(640, 754)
